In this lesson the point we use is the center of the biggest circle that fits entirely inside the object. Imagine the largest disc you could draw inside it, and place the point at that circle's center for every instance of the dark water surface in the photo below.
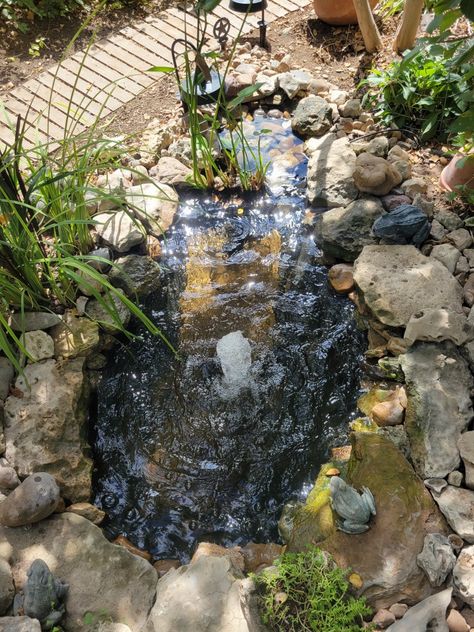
(183, 454)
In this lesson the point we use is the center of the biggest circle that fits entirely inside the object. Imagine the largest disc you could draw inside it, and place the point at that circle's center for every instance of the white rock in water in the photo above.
(235, 355)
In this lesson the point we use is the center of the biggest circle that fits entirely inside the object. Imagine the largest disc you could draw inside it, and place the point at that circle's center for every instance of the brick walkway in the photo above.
(112, 72)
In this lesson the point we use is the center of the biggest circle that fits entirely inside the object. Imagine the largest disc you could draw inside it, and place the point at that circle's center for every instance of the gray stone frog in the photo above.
(42, 597)
(406, 224)
(354, 508)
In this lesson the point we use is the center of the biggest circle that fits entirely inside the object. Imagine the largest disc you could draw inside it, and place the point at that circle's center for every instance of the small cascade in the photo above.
(235, 355)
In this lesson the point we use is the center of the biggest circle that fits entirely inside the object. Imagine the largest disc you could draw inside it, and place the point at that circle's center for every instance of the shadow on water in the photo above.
(184, 453)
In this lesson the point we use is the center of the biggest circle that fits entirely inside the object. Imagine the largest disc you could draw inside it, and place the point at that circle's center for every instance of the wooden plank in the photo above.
(36, 125)
(151, 36)
(183, 26)
(92, 72)
(287, 5)
(89, 90)
(7, 137)
(123, 64)
(212, 19)
(39, 105)
(129, 46)
(191, 23)
(236, 18)
(64, 94)
(100, 64)
(276, 8)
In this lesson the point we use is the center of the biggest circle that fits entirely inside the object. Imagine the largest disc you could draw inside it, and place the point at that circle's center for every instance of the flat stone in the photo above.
(88, 511)
(463, 576)
(7, 374)
(413, 186)
(397, 153)
(466, 450)
(38, 345)
(19, 624)
(398, 609)
(293, 81)
(439, 384)
(398, 281)
(44, 429)
(462, 266)
(31, 321)
(457, 505)
(461, 238)
(429, 611)
(173, 172)
(155, 205)
(447, 254)
(331, 165)
(375, 175)
(102, 577)
(33, 500)
(343, 232)
(136, 275)
(449, 219)
(437, 558)
(205, 595)
(119, 230)
(312, 117)
(436, 325)
(75, 336)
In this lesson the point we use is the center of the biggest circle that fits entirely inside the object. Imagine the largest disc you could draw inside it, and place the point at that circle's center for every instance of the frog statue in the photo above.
(354, 508)
(42, 597)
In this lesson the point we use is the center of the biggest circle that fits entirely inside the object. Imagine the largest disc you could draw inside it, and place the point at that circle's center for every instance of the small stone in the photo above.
(163, 566)
(397, 153)
(463, 576)
(413, 186)
(209, 549)
(392, 201)
(455, 478)
(437, 231)
(154, 205)
(31, 321)
(173, 172)
(351, 108)
(100, 259)
(75, 336)
(135, 275)
(398, 609)
(312, 117)
(437, 558)
(98, 313)
(456, 542)
(375, 175)
(389, 412)
(449, 219)
(468, 291)
(19, 624)
(378, 146)
(356, 580)
(7, 589)
(339, 97)
(469, 254)
(461, 238)
(119, 230)
(121, 540)
(468, 614)
(456, 622)
(447, 254)
(403, 168)
(383, 618)
(8, 476)
(457, 505)
(294, 81)
(462, 266)
(426, 205)
(88, 511)
(35, 499)
(435, 485)
(341, 277)
(38, 345)
(258, 556)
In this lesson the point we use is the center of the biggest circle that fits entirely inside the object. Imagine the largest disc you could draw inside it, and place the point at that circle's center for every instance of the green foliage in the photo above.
(14, 11)
(308, 593)
(389, 8)
(424, 91)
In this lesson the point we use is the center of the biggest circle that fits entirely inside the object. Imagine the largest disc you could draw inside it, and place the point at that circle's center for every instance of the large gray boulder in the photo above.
(457, 505)
(439, 409)
(398, 281)
(105, 580)
(429, 611)
(205, 595)
(45, 428)
(312, 117)
(330, 182)
(343, 232)
(154, 205)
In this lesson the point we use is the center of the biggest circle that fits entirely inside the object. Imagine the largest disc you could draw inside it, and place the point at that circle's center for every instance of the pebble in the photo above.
(456, 622)
(38, 345)
(398, 609)
(88, 511)
(383, 619)
(121, 540)
(461, 238)
(455, 478)
(341, 277)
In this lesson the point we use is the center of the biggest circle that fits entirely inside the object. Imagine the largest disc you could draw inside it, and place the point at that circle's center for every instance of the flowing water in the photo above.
(210, 445)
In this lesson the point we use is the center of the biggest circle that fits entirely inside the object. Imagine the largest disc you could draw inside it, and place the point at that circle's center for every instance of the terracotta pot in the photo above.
(453, 175)
(337, 11)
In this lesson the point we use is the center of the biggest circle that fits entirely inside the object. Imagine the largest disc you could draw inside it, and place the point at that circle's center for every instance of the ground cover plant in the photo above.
(307, 592)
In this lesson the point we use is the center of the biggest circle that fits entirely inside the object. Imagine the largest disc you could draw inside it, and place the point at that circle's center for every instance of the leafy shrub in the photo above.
(425, 91)
(308, 593)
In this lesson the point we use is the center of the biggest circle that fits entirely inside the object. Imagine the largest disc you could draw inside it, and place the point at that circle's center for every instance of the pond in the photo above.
(209, 445)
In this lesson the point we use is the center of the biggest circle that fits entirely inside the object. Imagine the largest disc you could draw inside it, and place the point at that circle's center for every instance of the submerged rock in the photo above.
(398, 281)
(102, 577)
(44, 429)
(343, 232)
(33, 500)
(331, 165)
(384, 556)
(439, 385)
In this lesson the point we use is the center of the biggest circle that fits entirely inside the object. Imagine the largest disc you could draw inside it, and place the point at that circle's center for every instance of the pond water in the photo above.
(210, 445)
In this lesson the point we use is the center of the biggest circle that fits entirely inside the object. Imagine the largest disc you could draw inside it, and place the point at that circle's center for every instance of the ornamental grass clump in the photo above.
(307, 592)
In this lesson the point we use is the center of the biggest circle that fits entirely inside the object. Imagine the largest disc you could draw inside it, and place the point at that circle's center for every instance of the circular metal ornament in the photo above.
(221, 30)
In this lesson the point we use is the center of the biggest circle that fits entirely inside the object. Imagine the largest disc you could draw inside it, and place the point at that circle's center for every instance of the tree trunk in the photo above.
(406, 34)
(367, 25)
